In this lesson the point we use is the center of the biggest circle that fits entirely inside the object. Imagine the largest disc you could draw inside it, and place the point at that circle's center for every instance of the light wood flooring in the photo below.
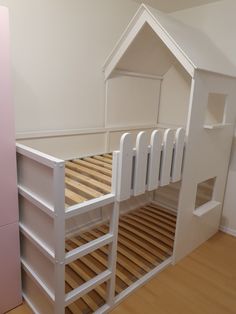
(203, 283)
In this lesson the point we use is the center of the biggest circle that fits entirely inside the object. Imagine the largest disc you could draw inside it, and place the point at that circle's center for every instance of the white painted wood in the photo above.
(89, 205)
(37, 201)
(178, 155)
(41, 245)
(38, 280)
(136, 74)
(141, 157)
(140, 282)
(86, 287)
(36, 178)
(34, 295)
(88, 248)
(125, 168)
(115, 165)
(207, 156)
(126, 95)
(166, 159)
(114, 228)
(206, 208)
(38, 262)
(59, 236)
(154, 161)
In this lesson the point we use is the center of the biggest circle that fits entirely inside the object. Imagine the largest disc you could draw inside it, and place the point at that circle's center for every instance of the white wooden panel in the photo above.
(167, 154)
(68, 147)
(125, 168)
(34, 296)
(34, 218)
(126, 97)
(174, 105)
(114, 136)
(154, 161)
(42, 267)
(178, 155)
(140, 172)
(36, 178)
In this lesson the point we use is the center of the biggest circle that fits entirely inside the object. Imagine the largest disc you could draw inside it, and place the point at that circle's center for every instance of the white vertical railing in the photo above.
(148, 166)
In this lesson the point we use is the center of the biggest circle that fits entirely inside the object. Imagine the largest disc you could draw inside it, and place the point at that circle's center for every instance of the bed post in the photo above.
(59, 236)
(114, 228)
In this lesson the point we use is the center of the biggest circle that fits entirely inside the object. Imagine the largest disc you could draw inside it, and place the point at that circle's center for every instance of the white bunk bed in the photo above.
(103, 218)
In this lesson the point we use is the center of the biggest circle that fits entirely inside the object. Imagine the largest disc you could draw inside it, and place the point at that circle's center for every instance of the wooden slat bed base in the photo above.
(146, 239)
(87, 178)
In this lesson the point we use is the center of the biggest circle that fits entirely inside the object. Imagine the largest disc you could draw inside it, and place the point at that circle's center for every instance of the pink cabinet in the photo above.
(10, 292)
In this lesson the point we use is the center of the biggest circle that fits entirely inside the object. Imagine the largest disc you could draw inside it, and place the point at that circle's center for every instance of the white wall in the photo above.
(58, 50)
(218, 21)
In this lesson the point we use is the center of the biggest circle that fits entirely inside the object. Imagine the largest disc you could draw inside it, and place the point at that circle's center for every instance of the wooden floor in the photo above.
(145, 240)
(203, 283)
(87, 178)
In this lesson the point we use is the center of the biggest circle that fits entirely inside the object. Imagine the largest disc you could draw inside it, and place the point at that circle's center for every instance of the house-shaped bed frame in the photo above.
(196, 113)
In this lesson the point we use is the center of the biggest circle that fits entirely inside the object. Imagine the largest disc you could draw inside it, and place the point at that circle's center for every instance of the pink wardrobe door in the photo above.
(10, 282)
(10, 285)
(8, 188)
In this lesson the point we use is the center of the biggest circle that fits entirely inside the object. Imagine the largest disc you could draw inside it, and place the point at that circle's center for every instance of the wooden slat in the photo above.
(128, 235)
(94, 174)
(158, 217)
(82, 189)
(104, 159)
(93, 167)
(73, 198)
(103, 261)
(131, 256)
(146, 217)
(142, 235)
(161, 234)
(160, 224)
(79, 268)
(74, 283)
(107, 156)
(137, 223)
(100, 163)
(121, 259)
(134, 248)
(158, 213)
(162, 209)
(99, 186)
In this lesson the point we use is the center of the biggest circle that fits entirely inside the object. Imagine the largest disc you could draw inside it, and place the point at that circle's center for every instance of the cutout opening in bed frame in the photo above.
(204, 192)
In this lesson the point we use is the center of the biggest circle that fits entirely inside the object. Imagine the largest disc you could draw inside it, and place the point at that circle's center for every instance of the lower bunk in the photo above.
(145, 240)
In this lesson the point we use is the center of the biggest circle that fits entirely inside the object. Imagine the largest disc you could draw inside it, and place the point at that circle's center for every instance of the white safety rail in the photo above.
(41, 184)
(148, 166)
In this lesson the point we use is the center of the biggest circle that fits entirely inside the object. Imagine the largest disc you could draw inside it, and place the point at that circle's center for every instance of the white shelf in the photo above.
(216, 126)
(206, 208)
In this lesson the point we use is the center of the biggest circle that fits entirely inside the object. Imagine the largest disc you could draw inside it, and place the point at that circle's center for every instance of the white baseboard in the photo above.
(228, 230)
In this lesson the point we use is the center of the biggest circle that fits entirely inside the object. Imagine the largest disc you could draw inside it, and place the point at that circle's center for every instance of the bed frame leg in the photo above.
(114, 226)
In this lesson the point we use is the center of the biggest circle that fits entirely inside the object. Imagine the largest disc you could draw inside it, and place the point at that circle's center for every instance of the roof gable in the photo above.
(192, 48)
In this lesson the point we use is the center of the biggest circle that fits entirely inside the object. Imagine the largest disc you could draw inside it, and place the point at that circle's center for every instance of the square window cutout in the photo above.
(215, 113)
(204, 192)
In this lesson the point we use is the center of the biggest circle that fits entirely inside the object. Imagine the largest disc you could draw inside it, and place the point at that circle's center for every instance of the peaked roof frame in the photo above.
(143, 16)
(191, 47)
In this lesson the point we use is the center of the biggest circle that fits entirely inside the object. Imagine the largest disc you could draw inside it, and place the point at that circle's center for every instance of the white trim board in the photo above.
(227, 230)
